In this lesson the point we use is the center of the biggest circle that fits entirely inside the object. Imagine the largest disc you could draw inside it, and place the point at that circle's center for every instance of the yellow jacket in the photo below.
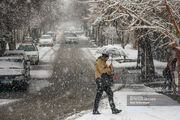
(101, 67)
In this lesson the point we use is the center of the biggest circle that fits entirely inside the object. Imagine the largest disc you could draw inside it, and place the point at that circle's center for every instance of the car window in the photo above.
(70, 35)
(27, 48)
(51, 34)
(46, 37)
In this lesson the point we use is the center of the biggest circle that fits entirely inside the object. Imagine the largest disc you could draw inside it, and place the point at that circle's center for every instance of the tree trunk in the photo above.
(150, 72)
(147, 64)
(139, 55)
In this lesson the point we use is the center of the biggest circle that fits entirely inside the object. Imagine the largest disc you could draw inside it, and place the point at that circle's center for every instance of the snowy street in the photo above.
(72, 85)
(89, 59)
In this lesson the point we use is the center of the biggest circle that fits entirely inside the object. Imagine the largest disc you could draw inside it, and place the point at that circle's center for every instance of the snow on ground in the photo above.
(36, 86)
(40, 73)
(130, 112)
(47, 54)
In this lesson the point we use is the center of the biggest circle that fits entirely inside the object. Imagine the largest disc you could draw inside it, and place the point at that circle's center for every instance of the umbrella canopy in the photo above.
(113, 51)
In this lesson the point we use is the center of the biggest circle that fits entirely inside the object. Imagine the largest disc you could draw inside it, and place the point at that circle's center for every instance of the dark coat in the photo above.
(166, 71)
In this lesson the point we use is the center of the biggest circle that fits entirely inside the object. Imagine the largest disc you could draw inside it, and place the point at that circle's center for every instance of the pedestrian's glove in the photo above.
(111, 66)
(115, 77)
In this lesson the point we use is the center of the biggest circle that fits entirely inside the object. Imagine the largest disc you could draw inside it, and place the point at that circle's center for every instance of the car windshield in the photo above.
(46, 37)
(27, 48)
(70, 35)
(51, 34)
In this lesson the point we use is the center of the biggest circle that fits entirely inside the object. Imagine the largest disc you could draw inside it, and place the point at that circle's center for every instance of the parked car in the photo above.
(31, 51)
(14, 71)
(52, 34)
(19, 53)
(46, 40)
(70, 38)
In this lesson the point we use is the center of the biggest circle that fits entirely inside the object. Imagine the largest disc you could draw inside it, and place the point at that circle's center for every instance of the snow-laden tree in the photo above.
(151, 20)
(110, 34)
(137, 14)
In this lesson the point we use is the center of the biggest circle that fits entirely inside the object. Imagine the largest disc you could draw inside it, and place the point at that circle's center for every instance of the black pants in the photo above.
(168, 77)
(100, 89)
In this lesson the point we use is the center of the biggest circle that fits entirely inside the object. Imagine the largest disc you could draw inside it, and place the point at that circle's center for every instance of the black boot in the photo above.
(96, 112)
(116, 111)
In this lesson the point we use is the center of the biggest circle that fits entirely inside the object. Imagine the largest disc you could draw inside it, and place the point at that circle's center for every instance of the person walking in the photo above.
(167, 74)
(104, 80)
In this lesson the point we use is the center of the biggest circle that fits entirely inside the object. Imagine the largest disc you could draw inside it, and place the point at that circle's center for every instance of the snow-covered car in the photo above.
(13, 71)
(70, 38)
(18, 53)
(52, 34)
(46, 40)
(31, 51)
